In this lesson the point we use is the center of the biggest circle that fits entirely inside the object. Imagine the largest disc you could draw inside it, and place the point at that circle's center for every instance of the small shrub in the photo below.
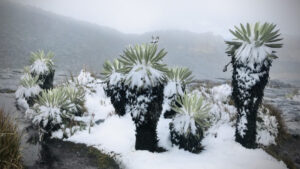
(115, 86)
(177, 80)
(252, 53)
(10, 154)
(42, 66)
(75, 97)
(188, 125)
(27, 92)
(56, 108)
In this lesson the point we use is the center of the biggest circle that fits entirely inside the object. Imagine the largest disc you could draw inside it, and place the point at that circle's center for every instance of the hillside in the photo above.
(79, 44)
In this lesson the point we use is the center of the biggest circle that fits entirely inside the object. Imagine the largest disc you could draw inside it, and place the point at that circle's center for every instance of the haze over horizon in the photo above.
(141, 16)
(46, 25)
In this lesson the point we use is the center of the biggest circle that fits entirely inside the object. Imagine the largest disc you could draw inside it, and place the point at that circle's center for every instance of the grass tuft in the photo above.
(10, 154)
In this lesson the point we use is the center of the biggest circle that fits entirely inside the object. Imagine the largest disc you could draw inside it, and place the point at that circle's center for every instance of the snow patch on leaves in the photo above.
(39, 67)
(27, 92)
(267, 128)
(143, 75)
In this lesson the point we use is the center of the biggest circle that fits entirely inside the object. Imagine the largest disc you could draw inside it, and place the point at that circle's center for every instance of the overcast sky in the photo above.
(139, 16)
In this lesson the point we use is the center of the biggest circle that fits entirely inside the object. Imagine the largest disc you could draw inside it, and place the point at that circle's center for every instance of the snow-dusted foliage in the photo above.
(252, 53)
(188, 125)
(56, 108)
(76, 101)
(223, 112)
(294, 95)
(42, 66)
(115, 86)
(27, 91)
(85, 78)
(111, 72)
(254, 43)
(143, 65)
(221, 93)
(49, 107)
(177, 80)
(28, 87)
(267, 127)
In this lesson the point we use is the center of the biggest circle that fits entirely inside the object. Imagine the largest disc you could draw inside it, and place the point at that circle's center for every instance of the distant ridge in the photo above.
(80, 44)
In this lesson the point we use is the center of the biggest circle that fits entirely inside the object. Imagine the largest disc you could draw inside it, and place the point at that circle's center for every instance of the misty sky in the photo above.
(139, 16)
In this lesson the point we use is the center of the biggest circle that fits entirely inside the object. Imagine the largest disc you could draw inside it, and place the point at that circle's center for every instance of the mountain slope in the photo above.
(77, 44)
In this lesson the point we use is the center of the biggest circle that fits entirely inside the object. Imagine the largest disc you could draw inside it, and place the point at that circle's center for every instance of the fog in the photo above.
(140, 16)
(86, 33)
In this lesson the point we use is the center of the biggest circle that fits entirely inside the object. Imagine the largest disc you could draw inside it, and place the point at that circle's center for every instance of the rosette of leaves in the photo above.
(42, 66)
(144, 74)
(76, 101)
(115, 86)
(28, 90)
(252, 52)
(50, 110)
(189, 123)
(177, 80)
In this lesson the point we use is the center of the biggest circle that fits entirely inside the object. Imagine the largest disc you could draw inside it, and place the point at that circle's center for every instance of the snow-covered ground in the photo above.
(116, 136)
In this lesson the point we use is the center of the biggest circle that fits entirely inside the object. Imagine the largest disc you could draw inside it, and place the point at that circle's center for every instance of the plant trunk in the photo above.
(46, 79)
(145, 106)
(146, 137)
(248, 91)
(117, 94)
(188, 141)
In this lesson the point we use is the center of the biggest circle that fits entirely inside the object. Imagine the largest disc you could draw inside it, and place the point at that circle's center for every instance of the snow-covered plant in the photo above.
(48, 112)
(27, 91)
(177, 79)
(111, 71)
(76, 99)
(267, 127)
(42, 66)
(189, 123)
(85, 78)
(57, 108)
(252, 52)
(49, 106)
(115, 89)
(144, 74)
(142, 65)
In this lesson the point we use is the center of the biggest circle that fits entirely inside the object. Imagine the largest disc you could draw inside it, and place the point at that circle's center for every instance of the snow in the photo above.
(250, 53)
(22, 103)
(221, 93)
(183, 123)
(143, 75)
(116, 135)
(267, 130)
(172, 88)
(39, 67)
(115, 77)
(241, 126)
(249, 78)
(85, 77)
(46, 113)
(28, 92)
